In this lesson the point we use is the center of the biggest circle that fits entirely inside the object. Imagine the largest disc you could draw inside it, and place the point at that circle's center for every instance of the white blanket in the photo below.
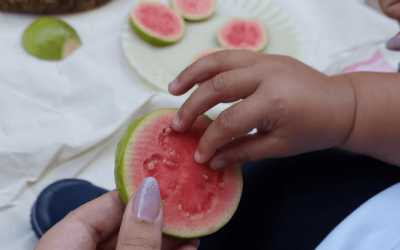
(64, 119)
(374, 225)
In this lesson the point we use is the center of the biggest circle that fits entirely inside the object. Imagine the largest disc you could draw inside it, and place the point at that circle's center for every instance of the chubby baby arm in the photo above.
(376, 129)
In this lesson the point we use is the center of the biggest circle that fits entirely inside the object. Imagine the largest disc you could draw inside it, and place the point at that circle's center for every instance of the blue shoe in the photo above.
(58, 199)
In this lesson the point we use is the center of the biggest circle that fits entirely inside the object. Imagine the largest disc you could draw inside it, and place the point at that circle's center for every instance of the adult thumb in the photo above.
(142, 223)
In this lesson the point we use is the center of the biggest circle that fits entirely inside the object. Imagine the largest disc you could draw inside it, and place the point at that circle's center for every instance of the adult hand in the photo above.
(295, 108)
(392, 9)
(105, 223)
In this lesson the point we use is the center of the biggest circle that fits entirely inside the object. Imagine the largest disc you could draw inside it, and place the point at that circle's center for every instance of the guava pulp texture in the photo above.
(156, 23)
(241, 33)
(197, 200)
(194, 10)
(50, 38)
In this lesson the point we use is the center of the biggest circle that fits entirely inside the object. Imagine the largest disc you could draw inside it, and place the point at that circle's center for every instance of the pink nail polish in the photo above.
(173, 84)
(217, 164)
(147, 200)
(394, 43)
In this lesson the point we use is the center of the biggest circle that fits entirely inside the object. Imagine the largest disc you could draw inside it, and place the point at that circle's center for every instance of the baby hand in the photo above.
(295, 108)
(392, 9)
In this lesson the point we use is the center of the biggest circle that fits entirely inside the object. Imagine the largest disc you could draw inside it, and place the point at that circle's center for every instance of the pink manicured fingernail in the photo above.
(197, 156)
(218, 163)
(394, 43)
(147, 200)
(175, 122)
(173, 84)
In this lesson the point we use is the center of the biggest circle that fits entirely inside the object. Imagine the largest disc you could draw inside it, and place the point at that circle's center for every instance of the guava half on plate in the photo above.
(156, 23)
(240, 33)
(194, 10)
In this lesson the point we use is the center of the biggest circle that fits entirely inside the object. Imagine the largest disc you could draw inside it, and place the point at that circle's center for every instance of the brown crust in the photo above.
(49, 6)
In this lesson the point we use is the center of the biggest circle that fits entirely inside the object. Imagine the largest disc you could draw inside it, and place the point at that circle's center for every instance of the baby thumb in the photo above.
(141, 226)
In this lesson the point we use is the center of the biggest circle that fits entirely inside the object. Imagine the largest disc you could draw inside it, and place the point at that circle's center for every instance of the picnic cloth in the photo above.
(64, 119)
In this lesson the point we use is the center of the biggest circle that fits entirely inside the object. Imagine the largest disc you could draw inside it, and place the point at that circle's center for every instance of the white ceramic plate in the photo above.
(160, 65)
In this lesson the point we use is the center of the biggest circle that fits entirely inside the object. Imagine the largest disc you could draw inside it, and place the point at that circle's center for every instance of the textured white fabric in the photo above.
(64, 119)
(374, 225)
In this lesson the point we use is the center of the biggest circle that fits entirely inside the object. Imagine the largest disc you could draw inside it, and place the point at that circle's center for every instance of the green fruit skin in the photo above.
(193, 19)
(200, 19)
(119, 160)
(119, 172)
(46, 36)
(189, 19)
(153, 40)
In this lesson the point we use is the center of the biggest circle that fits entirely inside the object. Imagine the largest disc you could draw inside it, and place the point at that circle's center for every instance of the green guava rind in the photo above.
(258, 49)
(122, 185)
(46, 37)
(119, 157)
(151, 39)
(190, 18)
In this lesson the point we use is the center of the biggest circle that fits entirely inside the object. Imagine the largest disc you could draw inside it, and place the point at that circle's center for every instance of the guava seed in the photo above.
(150, 166)
(167, 131)
(205, 176)
(170, 163)
(180, 207)
(221, 184)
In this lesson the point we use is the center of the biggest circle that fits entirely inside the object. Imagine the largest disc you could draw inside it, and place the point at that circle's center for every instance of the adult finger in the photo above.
(167, 244)
(86, 226)
(210, 66)
(233, 122)
(172, 244)
(188, 246)
(141, 226)
(225, 87)
(110, 243)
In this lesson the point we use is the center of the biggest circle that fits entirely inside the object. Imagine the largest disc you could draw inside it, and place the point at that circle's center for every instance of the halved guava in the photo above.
(206, 53)
(156, 23)
(197, 200)
(239, 33)
(50, 38)
(194, 10)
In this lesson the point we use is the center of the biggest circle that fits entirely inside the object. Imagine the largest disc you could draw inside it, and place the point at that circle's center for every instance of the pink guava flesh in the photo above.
(158, 19)
(195, 8)
(197, 200)
(243, 34)
(69, 47)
